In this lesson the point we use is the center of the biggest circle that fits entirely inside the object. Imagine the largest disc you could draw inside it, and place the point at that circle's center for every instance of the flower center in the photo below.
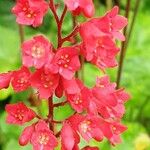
(85, 126)
(46, 80)
(19, 115)
(21, 81)
(37, 52)
(78, 100)
(43, 139)
(64, 61)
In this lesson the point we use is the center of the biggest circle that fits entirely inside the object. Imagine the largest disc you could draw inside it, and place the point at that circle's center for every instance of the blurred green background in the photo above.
(135, 75)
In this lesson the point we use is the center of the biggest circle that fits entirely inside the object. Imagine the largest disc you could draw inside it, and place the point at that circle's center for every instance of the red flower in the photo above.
(97, 47)
(80, 100)
(25, 137)
(30, 12)
(69, 138)
(69, 86)
(45, 82)
(66, 62)
(116, 23)
(87, 126)
(81, 6)
(36, 52)
(19, 113)
(43, 138)
(21, 79)
(5, 80)
(112, 131)
(105, 53)
(90, 148)
(109, 101)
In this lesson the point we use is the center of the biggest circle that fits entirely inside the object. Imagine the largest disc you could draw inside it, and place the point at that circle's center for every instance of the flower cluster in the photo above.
(98, 110)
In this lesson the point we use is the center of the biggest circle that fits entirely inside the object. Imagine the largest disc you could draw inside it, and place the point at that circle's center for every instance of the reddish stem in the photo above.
(72, 34)
(60, 104)
(50, 114)
(57, 122)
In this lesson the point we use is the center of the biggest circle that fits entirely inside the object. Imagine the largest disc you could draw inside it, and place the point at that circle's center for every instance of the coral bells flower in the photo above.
(81, 6)
(79, 101)
(19, 113)
(45, 82)
(112, 131)
(5, 80)
(43, 138)
(25, 137)
(36, 52)
(30, 12)
(66, 62)
(108, 100)
(21, 79)
(68, 134)
(67, 86)
(100, 49)
(116, 23)
(87, 126)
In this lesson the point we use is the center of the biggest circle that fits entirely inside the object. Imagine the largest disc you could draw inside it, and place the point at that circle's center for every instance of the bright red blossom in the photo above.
(30, 12)
(25, 137)
(45, 82)
(116, 23)
(21, 79)
(108, 100)
(80, 100)
(5, 80)
(81, 6)
(65, 62)
(36, 52)
(19, 113)
(43, 138)
(69, 138)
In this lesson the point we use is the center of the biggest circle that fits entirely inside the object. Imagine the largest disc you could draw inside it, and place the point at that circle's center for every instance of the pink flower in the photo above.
(90, 148)
(21, 79)
(108, 100)
(36, 52)
(69, 138)
(81, 6)
(66, 62)
(43, 138)
(67, 86)
(19, 113)
(87, 126)
(98, 47)
(5, 80)
(30, 12)
(116, 23)
(112, 131)
(80, 100)
(45, 82)
(25, 137)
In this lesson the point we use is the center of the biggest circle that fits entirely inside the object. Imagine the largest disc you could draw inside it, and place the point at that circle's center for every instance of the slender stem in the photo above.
(53, 9)
(133, 22)
(73, 33)
(21, 33)
(109, 4)
(122, 54)
(59, 104)
(57, 122)
(50, 114)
